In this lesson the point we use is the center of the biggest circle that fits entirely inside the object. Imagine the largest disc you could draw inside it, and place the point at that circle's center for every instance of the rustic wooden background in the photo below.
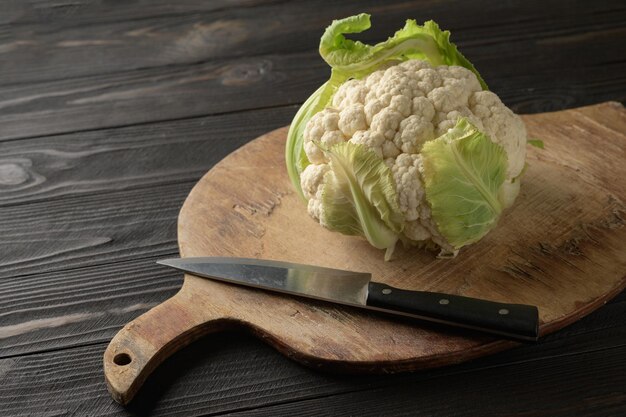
(111, 110)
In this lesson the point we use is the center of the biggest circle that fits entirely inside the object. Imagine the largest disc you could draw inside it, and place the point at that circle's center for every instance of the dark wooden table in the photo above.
(110, 111)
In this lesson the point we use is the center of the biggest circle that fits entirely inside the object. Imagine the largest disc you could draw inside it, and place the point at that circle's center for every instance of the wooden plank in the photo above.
(157, 94)
(225, 85)
(100, 11)
(102, 228)
(232, 372)
(82, 306)
(90, 12)
(553, 90)
(133, 157)
(585, 385)
(197, 90)
(96, 38)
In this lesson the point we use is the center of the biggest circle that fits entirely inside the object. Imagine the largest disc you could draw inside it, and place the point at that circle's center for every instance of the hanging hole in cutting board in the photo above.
(122, 359)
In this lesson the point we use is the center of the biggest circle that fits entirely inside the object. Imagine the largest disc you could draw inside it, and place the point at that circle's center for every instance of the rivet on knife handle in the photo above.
(516, 321)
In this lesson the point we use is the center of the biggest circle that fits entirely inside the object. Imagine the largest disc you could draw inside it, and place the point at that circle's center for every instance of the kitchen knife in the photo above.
(515, 321)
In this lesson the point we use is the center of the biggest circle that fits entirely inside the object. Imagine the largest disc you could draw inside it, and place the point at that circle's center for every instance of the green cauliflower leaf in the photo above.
(463, 175)
(359, 196)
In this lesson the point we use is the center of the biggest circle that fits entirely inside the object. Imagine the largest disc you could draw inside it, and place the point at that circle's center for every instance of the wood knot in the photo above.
(13, 174)
(246, 73)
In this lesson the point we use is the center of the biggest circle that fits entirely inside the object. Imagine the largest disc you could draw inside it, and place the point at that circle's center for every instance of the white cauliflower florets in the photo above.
(394, 112)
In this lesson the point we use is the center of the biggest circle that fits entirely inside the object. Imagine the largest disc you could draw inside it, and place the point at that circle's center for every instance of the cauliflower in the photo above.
(416, 150)
(408, 105)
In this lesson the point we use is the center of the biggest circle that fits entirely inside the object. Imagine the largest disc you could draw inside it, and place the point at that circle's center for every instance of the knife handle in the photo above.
(515, 321)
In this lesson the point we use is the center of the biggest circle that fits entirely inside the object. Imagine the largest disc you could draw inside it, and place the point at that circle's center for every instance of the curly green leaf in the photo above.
(353, 59)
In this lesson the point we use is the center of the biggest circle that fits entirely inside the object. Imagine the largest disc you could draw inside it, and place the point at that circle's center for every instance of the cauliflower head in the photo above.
(409, 147)
(394, 112)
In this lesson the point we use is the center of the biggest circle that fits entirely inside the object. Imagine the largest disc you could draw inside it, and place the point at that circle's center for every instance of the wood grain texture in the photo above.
(135, 157)
(104, 184)
(157, 94)
(230, 372)
(93, 12)
(561, 248)
(89, 12)
(60, 309)
(55, 310)
(155, 78)
(87, 230)
(560, 381)
(39, 48)
(537, 55)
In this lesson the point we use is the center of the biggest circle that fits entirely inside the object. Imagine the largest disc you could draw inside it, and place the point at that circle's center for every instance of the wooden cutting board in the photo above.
(562, 247)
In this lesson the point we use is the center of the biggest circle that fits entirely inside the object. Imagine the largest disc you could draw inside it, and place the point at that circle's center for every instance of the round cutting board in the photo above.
(562, 247)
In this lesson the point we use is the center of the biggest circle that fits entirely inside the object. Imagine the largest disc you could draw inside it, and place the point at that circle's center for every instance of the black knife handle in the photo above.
(516, 321)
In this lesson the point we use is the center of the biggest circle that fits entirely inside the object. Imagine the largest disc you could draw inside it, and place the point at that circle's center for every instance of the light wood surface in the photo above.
(562, 247)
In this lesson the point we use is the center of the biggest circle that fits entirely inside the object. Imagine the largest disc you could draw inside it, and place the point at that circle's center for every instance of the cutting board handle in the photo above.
(147, 341)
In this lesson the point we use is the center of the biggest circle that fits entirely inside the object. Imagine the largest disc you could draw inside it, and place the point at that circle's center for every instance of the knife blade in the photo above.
(356, 289)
